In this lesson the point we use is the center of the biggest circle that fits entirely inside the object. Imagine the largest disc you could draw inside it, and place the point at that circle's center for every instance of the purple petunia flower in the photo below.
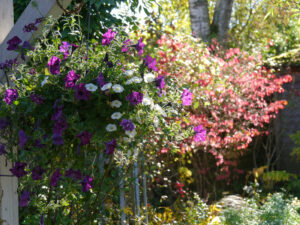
(10, 96)
(200, 133)
(24, 199)
(100, 80)
(74, 174)
(135, 98)
(70, 79)
(140, 46)
(37, 173)
(108, 37)
(82, 93)
(32, 71)
(110, 147)
(13, 43)
(58, 139)
(3, 123)
(29, 27)
(38, 99)
(19, 169)
(2, 149)
(54, 65)
(126, 45)
(160, 82)
(85, 138)
(55, 177)
(186, 97)
(60, 125)
(42, 221)
(150, 63)
(57, 114)
(86, 183)
(22, 138)
(127, 125)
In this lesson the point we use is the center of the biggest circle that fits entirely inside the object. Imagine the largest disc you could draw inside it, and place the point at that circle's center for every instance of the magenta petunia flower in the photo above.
(200, 133)
(140, 46)
(54, 65)
(108, 37)
(86, 183)
(10, 96)
(126, 45)
(186, 97)
(127, 125)
(135, 98)
(70, 79)
(38, 99)
(160, 82)
(150, 63)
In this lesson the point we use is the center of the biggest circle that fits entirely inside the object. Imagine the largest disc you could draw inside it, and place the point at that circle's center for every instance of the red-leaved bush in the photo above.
(233, 97)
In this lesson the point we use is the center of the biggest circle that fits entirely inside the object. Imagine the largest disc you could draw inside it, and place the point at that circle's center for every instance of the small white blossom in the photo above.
(147, 100)
(44, 81)
(137, 80)
(131, 134)
(118, 88)
(129, 72)
(149, 77)
(127, 139)
(156, 121)
(111, 127)
(160, 110)
(129, 81)
(106, 87)
(116, 115)
(116, 104)
(91, 87)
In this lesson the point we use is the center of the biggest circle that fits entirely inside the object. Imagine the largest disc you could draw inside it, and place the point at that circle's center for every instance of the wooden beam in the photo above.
(36, 9)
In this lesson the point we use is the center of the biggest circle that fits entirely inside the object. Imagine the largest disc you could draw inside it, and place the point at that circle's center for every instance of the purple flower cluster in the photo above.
(150, 63)
(108, 37)
(126, 45)
(67, 48)
(200, 133)
(135, 98)
(57, 139)
(54, 65)
(55, 177)
(110, 147)
(74, 174)
(13, 43)
(38, 99)
(70, 79)
(82, 93)
(100, 80)
(24, 199)
(160, 82)
(140, 46)
(127, 125)
(37, 173)
(85, 137)
(60, 124)
(29, 27)
(86, 183)
(19, 169)
(2, 149)
(186, 97)
(108, 63)
(10, 96)
(22, 138)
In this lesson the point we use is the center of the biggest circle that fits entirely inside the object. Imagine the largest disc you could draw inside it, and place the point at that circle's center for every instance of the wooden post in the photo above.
(36, 9)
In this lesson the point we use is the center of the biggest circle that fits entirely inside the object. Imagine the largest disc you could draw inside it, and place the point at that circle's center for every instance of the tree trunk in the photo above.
(199, 19)
(221, 20)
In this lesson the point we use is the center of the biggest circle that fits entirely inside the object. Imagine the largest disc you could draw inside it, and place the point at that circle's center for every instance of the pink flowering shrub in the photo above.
(232, 99)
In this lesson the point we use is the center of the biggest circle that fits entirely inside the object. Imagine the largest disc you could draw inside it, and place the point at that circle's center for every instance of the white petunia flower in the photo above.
(106, 87)
(116, 103)
(137, 80)
(160, 110)
(111, 127)
(91, 87)
(116, 115)
(44, 81)
(118, 88)
(131, 134)
(129, 73)
(130, 81)
(156, 121)
(149, 77)
(147, 100)
(127, 139)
